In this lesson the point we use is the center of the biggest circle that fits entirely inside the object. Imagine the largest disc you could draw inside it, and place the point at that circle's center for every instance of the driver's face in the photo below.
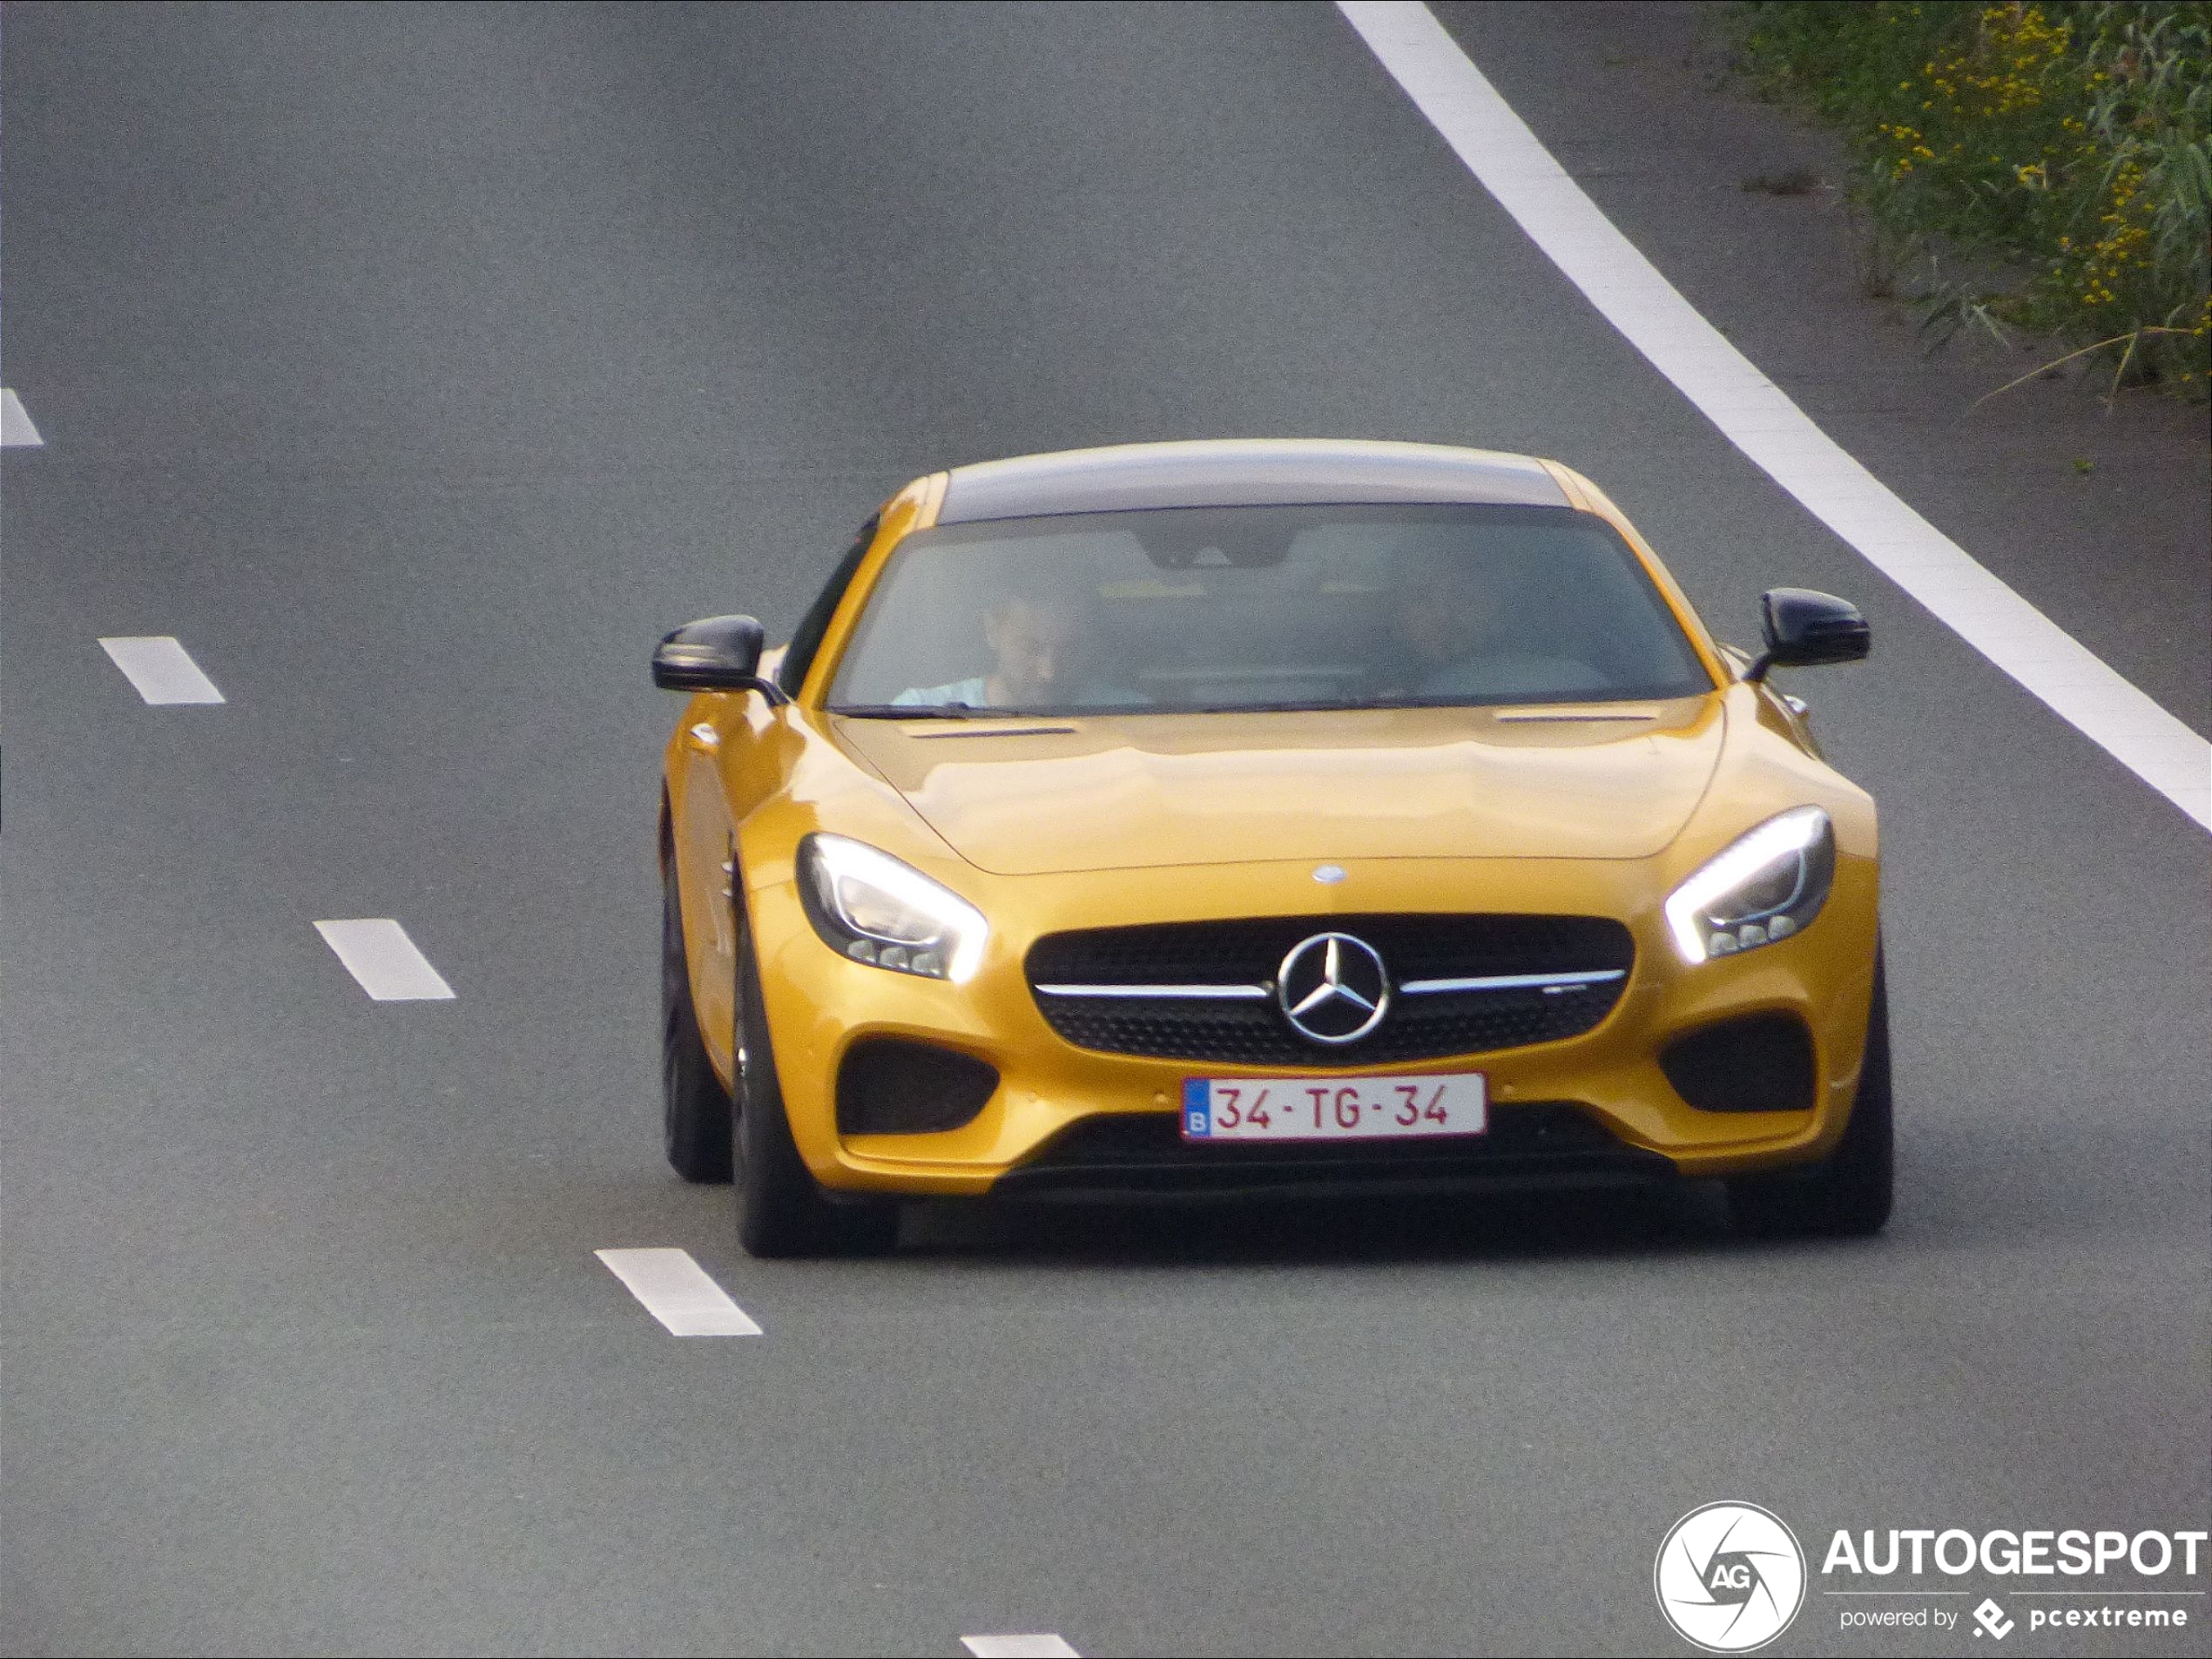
(1034, 644)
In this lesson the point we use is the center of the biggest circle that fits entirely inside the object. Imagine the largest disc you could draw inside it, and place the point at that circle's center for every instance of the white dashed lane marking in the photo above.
(1031, 1646)
(378, 953)
(15, 429)
(162, 670)
(1759, 418)
(678, 1292)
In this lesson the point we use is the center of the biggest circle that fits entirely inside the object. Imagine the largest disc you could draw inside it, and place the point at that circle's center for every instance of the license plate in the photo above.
(1337, 1109)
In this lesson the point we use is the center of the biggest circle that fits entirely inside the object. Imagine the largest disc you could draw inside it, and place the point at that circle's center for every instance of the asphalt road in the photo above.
(416, 367)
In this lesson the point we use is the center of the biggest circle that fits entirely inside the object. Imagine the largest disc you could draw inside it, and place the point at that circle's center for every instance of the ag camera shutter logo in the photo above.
(1730, 1577)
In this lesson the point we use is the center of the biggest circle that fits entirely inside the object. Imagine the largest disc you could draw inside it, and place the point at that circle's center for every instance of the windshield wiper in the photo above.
(1297, 706)
(919, 711)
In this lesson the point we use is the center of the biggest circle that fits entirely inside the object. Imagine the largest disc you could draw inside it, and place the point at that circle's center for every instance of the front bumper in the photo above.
(1141, 1155)
(1037, 1134)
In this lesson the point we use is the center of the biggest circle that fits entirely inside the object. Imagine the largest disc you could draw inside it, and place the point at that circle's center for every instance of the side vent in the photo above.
(1762, 1062)
(891, 1086)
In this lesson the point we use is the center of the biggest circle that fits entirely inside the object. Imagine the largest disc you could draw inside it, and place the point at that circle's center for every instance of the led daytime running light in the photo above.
(1791, 835)
(828, 863)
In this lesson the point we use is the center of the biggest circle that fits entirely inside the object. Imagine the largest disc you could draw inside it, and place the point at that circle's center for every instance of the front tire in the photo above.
(1847, 1194)
(782, 1210)
(695, 1108)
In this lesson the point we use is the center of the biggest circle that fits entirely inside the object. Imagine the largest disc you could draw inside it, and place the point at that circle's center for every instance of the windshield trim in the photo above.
(1315, 706)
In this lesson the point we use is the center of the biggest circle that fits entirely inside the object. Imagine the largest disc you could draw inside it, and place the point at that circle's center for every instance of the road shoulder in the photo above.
(1630, 98)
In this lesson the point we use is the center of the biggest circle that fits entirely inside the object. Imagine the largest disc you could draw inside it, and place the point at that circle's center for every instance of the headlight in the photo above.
(869, 905)
(1764, 886)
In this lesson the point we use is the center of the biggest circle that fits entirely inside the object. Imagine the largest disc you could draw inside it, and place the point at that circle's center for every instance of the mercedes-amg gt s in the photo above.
(1253, 816)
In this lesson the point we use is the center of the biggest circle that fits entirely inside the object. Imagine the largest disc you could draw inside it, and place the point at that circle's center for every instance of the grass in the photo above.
(2069, 145)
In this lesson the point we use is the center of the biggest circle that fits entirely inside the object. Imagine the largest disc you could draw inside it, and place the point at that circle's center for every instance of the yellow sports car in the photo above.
(1249, 816)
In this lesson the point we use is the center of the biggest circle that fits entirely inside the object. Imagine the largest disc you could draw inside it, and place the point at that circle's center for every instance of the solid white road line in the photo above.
(15, 429)
(162, 670)
(677, 1291)
(1758, 417)
(378, 953)
(1032, 1646)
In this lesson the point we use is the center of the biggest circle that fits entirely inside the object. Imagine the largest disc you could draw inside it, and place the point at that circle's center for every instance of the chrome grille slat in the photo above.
(1506, 981)
(1191, 992)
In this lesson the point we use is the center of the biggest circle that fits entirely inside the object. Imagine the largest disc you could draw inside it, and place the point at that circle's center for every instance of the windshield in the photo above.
(1223, 608)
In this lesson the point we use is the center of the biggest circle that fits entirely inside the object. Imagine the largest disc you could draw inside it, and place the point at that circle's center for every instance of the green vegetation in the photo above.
(2071, 142)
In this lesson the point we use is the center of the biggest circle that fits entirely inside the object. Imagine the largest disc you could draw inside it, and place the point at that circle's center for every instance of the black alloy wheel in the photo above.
(1847, 1194)
(695, 1108)
(782, 1210)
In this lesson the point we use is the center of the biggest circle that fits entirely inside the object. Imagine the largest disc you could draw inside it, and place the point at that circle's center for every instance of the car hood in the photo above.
(1021, 797)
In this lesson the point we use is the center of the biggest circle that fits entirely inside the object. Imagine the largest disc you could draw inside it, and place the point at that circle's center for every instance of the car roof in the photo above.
(1242, 472)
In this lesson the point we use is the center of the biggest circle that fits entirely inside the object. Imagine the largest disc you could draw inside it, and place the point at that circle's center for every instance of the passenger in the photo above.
(1042, 646)
(1473, 631)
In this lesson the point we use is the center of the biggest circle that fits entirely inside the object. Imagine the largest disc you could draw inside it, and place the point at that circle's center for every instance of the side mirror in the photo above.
(718, 654)
(1804, 628)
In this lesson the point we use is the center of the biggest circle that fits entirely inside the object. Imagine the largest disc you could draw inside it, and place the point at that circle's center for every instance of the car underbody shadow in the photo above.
(1323, 1229)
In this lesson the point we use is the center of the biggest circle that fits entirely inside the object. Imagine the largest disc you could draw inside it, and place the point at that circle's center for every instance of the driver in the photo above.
(1466, 626)
(1041, 648)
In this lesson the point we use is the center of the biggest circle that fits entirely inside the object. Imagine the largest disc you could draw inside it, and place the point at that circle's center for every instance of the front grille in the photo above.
(1536, 1142)
(1248, 951)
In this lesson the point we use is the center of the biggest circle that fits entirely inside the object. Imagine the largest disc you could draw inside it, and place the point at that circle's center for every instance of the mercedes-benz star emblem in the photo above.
(1332, 989)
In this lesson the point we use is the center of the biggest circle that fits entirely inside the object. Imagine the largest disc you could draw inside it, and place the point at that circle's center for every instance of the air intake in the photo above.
(890, 1086)
(1760, 1063)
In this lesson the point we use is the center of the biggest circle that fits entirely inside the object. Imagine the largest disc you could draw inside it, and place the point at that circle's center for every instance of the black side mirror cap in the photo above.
(715, 654)
(1804, 628)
